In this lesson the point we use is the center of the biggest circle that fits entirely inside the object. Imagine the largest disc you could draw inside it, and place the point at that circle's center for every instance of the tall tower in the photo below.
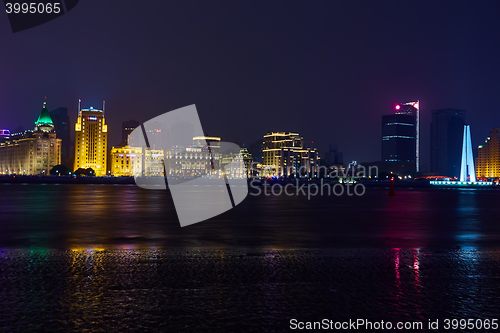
(91, 138)
(413, 109)
(447, 128)
(467, 168)
(127, 128)
(62, 127)
(400, 135)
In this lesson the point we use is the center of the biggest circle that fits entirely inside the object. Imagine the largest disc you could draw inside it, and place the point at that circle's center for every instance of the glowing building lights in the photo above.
(400, 136)
(201, 158)
(284, 154)
(127, 160)
(32, 152)
(92, 152)
(488, 159)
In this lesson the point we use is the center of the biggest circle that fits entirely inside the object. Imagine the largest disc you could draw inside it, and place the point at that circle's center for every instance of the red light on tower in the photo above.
(398, 107)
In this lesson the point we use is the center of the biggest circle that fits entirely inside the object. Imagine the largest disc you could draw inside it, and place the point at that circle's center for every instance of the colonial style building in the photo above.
(130, 161)
(32, 152)
(201, 158)
(250, 164)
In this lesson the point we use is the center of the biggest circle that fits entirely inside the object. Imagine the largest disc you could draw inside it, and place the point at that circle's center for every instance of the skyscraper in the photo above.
(400, 136)
(333, 156)
(127, 128)
(446, 141)
(91, 140)
(488, 159)
(60, 119)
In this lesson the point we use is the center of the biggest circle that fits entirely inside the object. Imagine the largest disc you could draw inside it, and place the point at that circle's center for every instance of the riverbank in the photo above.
(64, 180)
(19, 179)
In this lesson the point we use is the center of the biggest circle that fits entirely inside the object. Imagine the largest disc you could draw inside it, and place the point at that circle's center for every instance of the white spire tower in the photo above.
(467, 167)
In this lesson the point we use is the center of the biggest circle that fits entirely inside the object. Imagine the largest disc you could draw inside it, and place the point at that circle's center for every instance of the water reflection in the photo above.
(407, 290)
(174, 290)
(468, 218)
(127, 217)
(407, 221)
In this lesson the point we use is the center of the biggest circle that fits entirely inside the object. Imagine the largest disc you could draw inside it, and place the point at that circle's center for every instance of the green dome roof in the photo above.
(44, 117)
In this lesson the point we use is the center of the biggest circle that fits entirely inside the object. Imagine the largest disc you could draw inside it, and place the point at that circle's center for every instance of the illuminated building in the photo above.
(125, 161)
(488, 159)
(283, 154)
(273, 142)
(153, 163)
(446, 138)
(197, 159)
(32, 152)
(4, 135)
(232, 165)
(179, 161)
(400, 136)
(248, 161)
(212, 141)
(91, 140)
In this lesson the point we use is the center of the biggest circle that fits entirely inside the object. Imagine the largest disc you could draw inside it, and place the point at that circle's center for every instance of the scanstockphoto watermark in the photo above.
(332, 172)
(259, 187)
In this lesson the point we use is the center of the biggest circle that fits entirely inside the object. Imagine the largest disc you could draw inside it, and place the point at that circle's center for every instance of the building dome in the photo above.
(44, 122)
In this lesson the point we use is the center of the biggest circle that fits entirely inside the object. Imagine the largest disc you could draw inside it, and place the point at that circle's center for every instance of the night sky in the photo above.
(325, 69)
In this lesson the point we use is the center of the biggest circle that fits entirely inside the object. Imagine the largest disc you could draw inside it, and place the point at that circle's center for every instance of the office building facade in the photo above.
(488, 159)
(201, 158)
(446, 141)
(127, 128)
(400, 136)
(129, 161)
(60, 118)
(248, 161)
(284, 155)
(91, 134)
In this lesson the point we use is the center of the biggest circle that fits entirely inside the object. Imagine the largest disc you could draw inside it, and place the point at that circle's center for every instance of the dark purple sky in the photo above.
(325, 69)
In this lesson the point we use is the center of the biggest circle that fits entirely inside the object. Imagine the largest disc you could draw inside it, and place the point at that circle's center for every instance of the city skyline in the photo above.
(116, 137)
(249, 166)
(239, 62)
(398, 112)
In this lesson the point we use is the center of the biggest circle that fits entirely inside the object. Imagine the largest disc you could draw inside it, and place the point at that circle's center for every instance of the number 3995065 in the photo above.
(33, 8)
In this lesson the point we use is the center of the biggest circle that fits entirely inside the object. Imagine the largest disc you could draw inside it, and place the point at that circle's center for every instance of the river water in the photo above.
(114, 258)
